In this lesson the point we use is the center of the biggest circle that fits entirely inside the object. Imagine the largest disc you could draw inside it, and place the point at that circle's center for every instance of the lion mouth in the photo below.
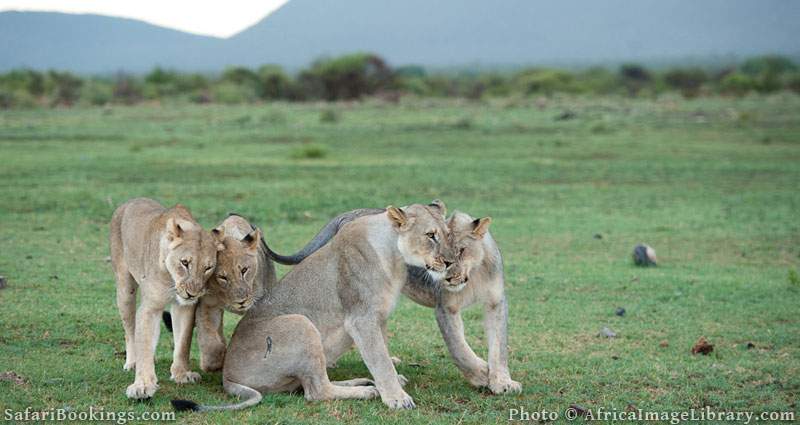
(455, 287)
(186, 301)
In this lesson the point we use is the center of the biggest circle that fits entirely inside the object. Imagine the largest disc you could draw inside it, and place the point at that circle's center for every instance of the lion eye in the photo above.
(461, 252)
(432, 235)
(244, 270)
(208, 269)
(185, 263)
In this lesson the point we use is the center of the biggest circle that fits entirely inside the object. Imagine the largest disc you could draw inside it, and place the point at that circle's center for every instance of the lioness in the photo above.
(242, 274)
(339, 295)
(167, 254)
(476, 276)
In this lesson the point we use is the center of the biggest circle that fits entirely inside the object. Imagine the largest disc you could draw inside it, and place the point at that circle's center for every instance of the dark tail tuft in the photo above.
(184, 405)
(167, 319)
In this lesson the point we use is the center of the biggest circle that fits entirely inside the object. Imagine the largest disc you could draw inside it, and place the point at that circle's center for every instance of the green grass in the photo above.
(711, 184)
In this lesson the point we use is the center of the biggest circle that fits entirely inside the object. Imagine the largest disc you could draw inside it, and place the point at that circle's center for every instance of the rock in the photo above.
(619, 311)
(607, 332)
(644, 256)
(566, 115)
(2, 282)
(598, 236)
(12, 376)
(750, 346)
(702, 346)
(579, 410)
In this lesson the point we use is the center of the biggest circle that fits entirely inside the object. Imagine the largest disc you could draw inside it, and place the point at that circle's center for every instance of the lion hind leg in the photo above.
(126, 303)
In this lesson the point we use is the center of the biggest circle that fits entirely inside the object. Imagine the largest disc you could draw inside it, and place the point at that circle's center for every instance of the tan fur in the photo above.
(476, 276)
(168, 255)
(229, 288)
(340, 295)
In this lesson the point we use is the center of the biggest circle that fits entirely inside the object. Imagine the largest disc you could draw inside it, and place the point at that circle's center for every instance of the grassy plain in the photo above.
(712, 184)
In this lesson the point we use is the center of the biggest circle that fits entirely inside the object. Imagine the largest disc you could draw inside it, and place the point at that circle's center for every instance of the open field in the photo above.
(712, 184)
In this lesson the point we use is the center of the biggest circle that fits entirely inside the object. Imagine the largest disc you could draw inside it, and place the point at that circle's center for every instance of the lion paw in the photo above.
(506, 386)
(479, 377)
(129, 365)
(185, 377)
(404, 401)
(141, 390)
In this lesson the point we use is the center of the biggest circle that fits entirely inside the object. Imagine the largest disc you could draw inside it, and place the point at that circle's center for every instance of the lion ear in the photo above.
(219, 237)
(439, 205)
(480, 226)
(174, 230)
(252, 239)
(397, 216)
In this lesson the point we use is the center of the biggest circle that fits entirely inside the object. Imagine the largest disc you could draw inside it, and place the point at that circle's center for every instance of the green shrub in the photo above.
(312, 151)
(346, 77)
(329, 116)
(231, 93)
(737, 84)
(543, 81)
(96, 93)
(66, 88)
(127, 90)
(687, 81)
(634, 78)
(273, 83)
(793, 83)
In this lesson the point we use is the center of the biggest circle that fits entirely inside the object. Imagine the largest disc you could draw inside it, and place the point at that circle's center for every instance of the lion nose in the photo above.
(190, 295)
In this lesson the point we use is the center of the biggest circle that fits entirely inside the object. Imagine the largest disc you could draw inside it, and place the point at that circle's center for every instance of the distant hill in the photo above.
(432, 33)
(93, 43)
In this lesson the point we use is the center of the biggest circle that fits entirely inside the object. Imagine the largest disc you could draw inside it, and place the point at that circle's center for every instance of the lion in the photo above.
(340, 295)
(475, 277)
(168, 255)
(242, 275)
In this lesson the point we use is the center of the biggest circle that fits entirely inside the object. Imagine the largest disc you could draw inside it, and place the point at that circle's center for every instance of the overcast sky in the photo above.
(218, 18)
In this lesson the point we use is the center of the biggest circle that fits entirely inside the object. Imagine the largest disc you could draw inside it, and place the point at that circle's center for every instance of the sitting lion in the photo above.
(340, 295)
(168, 255)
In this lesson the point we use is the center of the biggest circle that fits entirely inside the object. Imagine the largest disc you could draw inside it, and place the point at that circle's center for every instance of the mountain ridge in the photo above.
(445, 33)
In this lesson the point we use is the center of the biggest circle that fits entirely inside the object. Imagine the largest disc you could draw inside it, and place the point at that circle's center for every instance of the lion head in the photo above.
(423, 237)
(190, 256)
(235, 279)
(467, 239)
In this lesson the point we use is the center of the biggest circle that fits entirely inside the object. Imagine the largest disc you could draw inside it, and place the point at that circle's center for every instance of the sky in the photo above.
(219, 19)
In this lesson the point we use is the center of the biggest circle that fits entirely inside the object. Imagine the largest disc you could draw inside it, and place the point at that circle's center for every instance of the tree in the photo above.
(634, 77)
(688, 81)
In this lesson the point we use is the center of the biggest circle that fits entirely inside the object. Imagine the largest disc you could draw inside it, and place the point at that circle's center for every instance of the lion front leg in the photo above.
(145, 340)
(496, 326)
(182, 326)
(369, 340)
(210, 337)
(475, 369)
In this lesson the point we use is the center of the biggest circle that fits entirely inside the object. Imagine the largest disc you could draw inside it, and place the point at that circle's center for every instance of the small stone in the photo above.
(566, 115)
(108, 259)
(619, 311)
(2, 282)
(597, 236)
(750, 346)
(702, 346)
(580, 410)
(11, 376)
(607, 332)
(663, 344)
(644, 256)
